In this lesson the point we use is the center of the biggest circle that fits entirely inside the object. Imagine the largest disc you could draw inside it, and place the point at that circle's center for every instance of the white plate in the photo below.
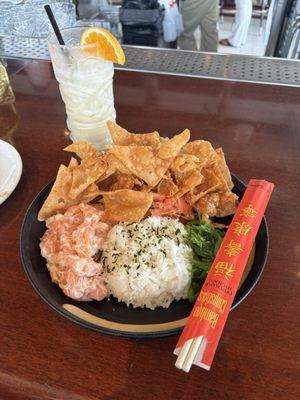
(10, 170)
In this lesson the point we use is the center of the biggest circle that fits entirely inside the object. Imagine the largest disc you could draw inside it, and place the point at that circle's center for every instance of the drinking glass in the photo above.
(86, 87)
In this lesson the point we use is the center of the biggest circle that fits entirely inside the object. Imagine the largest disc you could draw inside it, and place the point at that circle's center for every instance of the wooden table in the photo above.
(44, 356)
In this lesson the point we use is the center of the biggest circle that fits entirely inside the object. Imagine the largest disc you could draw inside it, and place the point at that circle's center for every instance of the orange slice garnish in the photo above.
(106, 47)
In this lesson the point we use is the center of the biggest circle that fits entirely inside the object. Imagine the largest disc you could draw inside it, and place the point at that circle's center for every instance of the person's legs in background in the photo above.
(191, 12)
(241, 25)
(247, 19)
(208, 24)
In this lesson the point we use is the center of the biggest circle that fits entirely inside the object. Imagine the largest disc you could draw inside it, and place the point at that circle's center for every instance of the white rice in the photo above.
(147, 264)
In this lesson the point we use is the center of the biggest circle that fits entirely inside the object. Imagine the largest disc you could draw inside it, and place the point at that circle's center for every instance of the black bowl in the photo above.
(110, 316)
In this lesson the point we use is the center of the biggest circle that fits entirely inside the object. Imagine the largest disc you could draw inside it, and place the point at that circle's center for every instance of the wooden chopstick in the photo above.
(183, 353)
(189, 359)
(188, 353)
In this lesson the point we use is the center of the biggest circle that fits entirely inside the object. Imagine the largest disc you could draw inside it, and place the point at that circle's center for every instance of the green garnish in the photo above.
(205, 241)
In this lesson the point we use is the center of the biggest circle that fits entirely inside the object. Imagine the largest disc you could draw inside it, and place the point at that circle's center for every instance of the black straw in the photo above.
(54, 24)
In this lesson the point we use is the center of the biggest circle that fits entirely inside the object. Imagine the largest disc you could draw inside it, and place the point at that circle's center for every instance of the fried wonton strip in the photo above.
(119, 181)
(185, 162)
(59, 198)
(94, 167)
(224, 168)
(150, 163)
(114, 165)
(73, 163)
(138, 160)
(91, 169)
(208, 204)
(82, 149)
(125, 181)
(227, 204)
(91, 156)
(170, 148)
(167, 187)
(228, 200)
(215, 202)
(122, 137)
(210, 183)
(126, 205)
(202, 149)
(187, 181)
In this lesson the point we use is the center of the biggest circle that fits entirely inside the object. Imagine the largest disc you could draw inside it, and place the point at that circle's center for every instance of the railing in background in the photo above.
(232, 67)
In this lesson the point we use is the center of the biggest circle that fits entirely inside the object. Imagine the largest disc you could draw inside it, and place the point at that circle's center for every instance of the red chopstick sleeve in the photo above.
(211, 309)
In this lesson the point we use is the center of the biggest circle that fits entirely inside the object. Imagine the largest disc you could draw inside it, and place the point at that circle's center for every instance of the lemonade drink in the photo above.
(86, 87)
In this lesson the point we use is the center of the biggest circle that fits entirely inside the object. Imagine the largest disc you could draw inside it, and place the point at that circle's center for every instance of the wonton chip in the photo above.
(167, 187)
(186, 170)
(227, 204)
(59, 198)
(217, 204)
(114, 165)
(145, 188)
(227, 198)
(106, 184)
(119, 181)
(150, 163)
(91, 169)
(85, 150)
(224, 168)
(215, 169)
(187, 181)
(209, 184)
(126, 205)
(89, 194)
(122, 137)
(208, 204)
(170, 148)
(82, 149)
(185, 162)
(217, 199)
(125, 181)
(73, 163)
(202, 149)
